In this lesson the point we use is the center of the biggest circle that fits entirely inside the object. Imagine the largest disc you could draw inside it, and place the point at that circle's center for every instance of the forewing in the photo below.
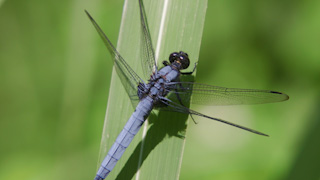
(148, 58)
(129, 78)
(204, 94)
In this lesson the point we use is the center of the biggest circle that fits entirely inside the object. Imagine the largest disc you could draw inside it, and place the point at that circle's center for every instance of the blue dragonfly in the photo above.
(165, 91)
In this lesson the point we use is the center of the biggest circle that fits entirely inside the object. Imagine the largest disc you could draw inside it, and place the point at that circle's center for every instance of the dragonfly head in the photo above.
(180, 58)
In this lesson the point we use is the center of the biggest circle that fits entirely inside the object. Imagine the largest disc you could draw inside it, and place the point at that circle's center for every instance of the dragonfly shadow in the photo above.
(165, 124)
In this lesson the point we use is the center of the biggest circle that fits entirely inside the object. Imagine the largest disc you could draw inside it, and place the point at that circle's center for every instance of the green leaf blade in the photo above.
(156, 151)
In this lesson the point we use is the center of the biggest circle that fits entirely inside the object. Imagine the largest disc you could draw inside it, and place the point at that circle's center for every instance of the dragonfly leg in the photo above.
(166, 63)
(189, 73)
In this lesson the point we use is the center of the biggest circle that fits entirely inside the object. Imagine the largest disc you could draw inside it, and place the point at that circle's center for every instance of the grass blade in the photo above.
(156, 152)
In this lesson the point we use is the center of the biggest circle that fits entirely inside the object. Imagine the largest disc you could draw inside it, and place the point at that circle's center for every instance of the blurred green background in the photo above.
(55, 74)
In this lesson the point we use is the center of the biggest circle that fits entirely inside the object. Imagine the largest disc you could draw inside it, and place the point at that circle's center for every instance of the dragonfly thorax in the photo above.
(158, 85)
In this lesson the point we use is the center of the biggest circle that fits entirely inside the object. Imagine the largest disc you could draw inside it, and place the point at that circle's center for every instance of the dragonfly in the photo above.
(165, 91)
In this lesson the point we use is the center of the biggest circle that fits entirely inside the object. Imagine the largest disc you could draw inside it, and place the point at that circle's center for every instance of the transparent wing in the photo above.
(129, 78)
(148, 59)
(204, 94)
(174, 106)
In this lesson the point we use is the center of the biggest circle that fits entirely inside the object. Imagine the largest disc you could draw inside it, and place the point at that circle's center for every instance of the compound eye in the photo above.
(183, 53)
(184, 60)
(173, 57)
